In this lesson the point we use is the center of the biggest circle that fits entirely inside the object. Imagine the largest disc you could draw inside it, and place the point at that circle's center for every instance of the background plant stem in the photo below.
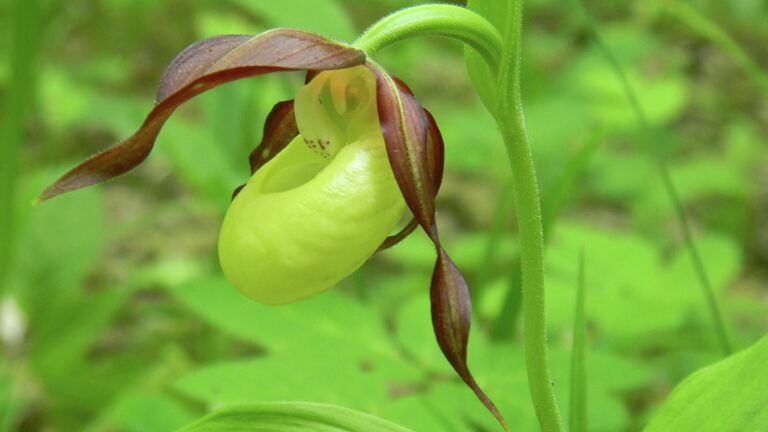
(23, 32)
(578, 399)
(657, 156)
(707, 28)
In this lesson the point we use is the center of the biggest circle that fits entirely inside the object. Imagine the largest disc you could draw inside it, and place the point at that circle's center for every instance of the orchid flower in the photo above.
(331, 179)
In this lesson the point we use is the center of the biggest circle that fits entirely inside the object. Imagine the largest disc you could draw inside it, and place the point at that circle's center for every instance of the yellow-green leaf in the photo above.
(291, 416)
(729, 396)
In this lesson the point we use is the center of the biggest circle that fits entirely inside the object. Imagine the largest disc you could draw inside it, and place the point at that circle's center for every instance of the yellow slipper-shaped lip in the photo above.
(321, 207)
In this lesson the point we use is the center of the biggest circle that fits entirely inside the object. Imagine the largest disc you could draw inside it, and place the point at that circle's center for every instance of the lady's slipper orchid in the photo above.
(330, 180)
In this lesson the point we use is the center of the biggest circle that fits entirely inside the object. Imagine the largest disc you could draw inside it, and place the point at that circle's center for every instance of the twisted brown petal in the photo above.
(435, 151)
(435, 155)
(414, 147)
(279, 129)
(400, 236)
(200, 67)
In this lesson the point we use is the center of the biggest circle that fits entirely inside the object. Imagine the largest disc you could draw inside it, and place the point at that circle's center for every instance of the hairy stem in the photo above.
(434, 20)
(532, 263)
(511, 120)
(503, 57)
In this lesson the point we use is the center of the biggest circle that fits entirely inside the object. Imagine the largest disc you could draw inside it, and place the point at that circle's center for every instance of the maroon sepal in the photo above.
(415, 151)
(279, 130)
(400, 236)
(435, 154)
(200, 67)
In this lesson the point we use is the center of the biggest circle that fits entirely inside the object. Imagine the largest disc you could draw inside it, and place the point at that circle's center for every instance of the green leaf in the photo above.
(60, 245)
(71, 99)
(640, 297)
(418, 253)
(328, 318)
(712, 180)
(288, 376)
(308, 344)
(562, 188)
(199, 158)
(729, 396)
(224, 117)
(142, 412)
(575, 125)
(414, 332)
(70, 326)
(500, 367)
(291, 416)
(663, 95)
(475, 139)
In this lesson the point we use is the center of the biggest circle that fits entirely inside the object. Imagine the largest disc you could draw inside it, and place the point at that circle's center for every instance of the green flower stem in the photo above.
(529, 222)
(475, 31)
(511, 120)
(435, 20)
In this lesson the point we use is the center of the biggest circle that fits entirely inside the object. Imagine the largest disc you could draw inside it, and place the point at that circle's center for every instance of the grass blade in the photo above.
(23, 25)
(656, 154)
(290, 417)
(578, 399)
(557, 196)
(498, 229)
(505, 324)
(707, 28)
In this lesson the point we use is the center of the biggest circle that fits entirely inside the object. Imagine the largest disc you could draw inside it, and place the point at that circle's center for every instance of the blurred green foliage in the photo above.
(114, 313)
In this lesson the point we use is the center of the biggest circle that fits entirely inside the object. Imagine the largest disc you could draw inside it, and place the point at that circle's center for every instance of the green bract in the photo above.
(318, 210)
